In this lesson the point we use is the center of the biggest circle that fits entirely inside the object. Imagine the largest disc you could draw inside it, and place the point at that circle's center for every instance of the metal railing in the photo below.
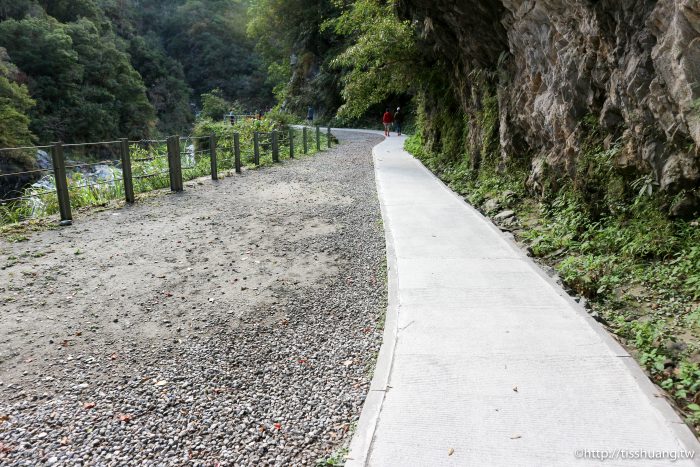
(138, 166)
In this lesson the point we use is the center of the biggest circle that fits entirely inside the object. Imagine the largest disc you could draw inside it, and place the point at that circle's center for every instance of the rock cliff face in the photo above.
(630, 68)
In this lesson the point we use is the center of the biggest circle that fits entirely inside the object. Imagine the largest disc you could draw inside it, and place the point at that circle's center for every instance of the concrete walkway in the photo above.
(486, 361)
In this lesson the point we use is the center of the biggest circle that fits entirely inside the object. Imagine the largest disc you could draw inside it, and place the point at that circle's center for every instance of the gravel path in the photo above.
(234, 324)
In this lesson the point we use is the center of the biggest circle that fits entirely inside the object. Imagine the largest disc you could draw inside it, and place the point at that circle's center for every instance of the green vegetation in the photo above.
(337, 458)
(296, 52)
(68, 65)
(381, 60)
(15, 104)
(103, 69)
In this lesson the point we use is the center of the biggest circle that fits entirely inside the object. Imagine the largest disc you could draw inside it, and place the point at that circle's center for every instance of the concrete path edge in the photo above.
(366, 426)
(361, 443)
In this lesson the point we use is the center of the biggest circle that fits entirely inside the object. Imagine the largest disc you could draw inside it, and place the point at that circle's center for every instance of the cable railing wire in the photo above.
(88, 185)
(93, 164)
(26, 198)
(14, 174)
(24, 148)
(155, 174)
(99, 143)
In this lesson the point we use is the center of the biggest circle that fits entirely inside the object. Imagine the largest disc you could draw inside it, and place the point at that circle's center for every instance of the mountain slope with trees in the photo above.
(100, 69)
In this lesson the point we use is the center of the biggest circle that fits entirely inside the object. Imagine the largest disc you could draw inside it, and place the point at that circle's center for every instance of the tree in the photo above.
(14, 128)
(72, 10)
(214, 105)
(297, 51)
(18, 9)
(84, 85)
(165, 82)
(15, 103)
(209, 38)
(381, 59)
(112, 89)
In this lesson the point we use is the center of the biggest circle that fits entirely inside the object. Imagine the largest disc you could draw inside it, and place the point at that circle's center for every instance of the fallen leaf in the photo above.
(114, 356)
(302, 360)
(124, 418)
(89, 405)
(278, 426)
(515, 388)
(450, 451)
(4, 418)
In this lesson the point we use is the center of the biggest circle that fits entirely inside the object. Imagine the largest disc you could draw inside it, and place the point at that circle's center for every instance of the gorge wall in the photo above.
(559, 70)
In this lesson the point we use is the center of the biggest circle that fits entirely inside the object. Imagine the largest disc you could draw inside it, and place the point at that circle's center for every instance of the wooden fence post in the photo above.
(291, 143)
(256, 148)
(275, 147)
(237, 152)
(306, 141)
(329, 136)
(171, 170)
(175, 163)
(59, 172)
(318, 138)
(127, 177)
(178, 164)
(212, 155)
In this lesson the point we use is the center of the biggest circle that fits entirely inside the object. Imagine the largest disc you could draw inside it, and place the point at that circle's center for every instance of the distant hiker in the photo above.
(310, 115)
(398, 120)
(232, 117)
(387, 119)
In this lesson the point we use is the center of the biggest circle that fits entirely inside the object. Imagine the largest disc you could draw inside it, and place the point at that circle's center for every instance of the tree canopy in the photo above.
(15, 104)
(134, 68)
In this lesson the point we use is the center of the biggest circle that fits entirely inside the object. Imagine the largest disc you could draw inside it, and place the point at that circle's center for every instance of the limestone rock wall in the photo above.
(630, 66)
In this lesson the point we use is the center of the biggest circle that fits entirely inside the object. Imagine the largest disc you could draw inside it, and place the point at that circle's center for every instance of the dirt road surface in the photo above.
(235, 323)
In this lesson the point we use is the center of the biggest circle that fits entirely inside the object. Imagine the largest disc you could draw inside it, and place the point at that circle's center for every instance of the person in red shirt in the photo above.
(387, 119)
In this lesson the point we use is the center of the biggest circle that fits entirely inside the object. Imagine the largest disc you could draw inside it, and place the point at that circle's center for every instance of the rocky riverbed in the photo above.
(234, 324)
